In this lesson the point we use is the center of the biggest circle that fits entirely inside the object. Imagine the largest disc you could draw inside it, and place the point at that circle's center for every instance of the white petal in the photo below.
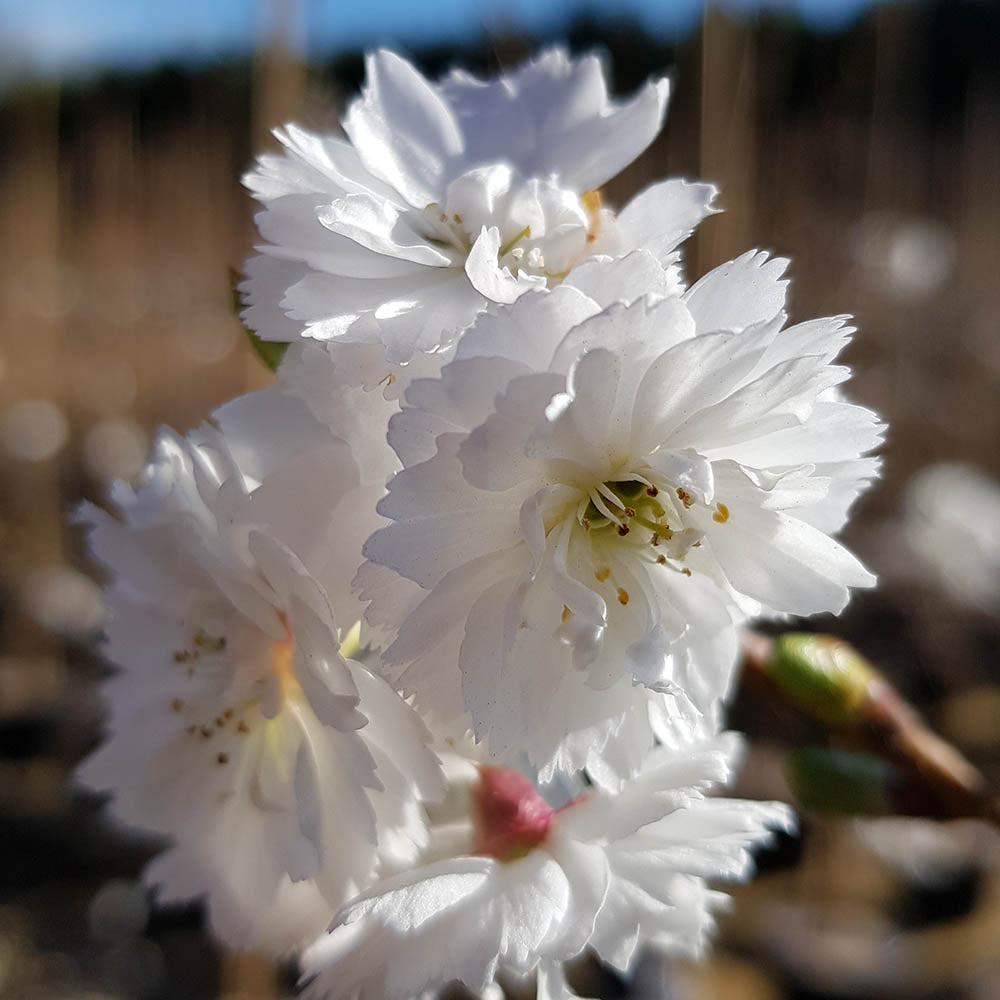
(430, 322)
(664, 214)
(329, 302)
(491, 280)
(429, 638)
(780, 398)
(263, 289)
(622, 279)
(442, 521)
(459, 400)
(429, 927)
(311, 163)
(397, 736)
(493, 455)
(594, 152)
(375, 224)
(536, 897)
(777, 559)
(477, 196)
(552, 116)
(530, 330)
(292, 226)
(255, 911)
(737, 294)
(832, 432)
(692, 377)
(266, 428)
(405, 134)
(589, 430)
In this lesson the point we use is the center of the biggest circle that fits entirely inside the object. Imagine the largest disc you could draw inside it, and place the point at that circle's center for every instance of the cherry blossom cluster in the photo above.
(423, 650)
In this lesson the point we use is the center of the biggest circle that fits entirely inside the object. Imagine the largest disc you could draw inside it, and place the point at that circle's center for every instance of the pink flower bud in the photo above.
(510, 816)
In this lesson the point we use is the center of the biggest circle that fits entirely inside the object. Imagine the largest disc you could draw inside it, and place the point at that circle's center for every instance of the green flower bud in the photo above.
(823, 676)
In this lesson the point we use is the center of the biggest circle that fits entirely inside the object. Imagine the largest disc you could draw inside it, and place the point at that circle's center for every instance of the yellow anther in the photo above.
(684, 496)
(591, 201)
(622, 596)
(603, 573)
(210, 643)
(566, 613)
(721, 514)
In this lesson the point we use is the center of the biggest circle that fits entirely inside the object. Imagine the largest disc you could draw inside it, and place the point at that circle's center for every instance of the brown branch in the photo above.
(827, 680)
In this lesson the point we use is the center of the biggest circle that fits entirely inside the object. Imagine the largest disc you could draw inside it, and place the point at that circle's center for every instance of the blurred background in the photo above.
(861, 139)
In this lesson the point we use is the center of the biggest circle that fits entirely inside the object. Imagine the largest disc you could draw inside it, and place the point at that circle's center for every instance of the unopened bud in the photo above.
(824, 676)
(510, 816)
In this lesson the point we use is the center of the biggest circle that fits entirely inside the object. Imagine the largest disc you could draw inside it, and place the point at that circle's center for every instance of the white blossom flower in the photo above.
(448, 198)
(509, 883)
(592, 497)
(282, 772)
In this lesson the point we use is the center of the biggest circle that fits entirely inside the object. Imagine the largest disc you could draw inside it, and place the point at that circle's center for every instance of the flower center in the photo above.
(644, 513)
(280, 656)
(545, 230)
(622, 503)
(238, 673)
(509, 817)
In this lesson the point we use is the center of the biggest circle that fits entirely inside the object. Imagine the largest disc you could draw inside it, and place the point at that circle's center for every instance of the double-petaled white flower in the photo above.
(591, 497)
(508, 883)
(282, 772)
(448, 198)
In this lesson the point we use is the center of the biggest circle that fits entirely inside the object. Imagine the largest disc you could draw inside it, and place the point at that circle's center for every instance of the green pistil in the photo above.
(507, 247)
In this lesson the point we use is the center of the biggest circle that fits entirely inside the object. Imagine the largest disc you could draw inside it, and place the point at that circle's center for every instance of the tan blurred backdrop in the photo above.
(871, 158)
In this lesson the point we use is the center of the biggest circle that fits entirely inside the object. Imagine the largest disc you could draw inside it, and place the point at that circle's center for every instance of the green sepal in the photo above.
(269, 351)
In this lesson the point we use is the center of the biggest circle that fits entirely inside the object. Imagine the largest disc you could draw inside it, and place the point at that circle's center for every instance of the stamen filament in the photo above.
(595, 499)
(609, 494)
